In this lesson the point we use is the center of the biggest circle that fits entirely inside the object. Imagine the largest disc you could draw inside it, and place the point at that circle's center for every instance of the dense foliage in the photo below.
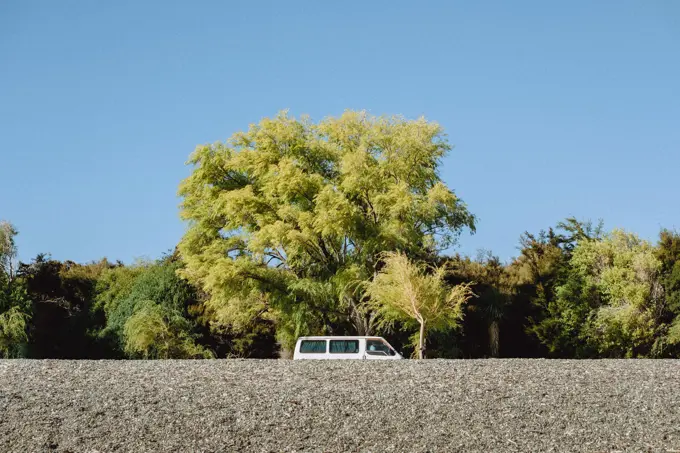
(286, 218)
(341, 227)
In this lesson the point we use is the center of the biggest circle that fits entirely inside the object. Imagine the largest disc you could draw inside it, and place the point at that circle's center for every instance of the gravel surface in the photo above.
(340, 406)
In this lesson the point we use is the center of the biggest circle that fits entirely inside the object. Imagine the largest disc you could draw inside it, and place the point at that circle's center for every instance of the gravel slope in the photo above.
(275, 406)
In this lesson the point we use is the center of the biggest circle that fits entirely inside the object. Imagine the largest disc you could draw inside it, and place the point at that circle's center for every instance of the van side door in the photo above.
(345, 348)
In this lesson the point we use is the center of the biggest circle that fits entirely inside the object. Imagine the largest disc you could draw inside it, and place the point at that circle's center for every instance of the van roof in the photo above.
(334, 337)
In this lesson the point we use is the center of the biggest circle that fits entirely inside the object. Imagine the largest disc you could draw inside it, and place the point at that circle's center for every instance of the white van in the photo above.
(344, 348)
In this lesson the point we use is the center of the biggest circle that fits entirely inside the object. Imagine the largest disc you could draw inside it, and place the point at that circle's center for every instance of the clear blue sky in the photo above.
(554, 108)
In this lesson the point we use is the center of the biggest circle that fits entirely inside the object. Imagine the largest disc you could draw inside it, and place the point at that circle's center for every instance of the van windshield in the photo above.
(378, 347)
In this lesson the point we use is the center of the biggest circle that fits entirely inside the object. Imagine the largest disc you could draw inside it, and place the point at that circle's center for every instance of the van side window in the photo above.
(313, 347)
(344, 346)
(377, 347)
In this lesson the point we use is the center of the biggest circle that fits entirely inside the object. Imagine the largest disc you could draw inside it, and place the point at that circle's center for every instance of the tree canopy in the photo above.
(287, 217)
(344, 227)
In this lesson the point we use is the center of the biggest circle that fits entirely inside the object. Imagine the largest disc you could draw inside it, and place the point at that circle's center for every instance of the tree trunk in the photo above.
(494, 338)
(361, 321)
(421, 341)
(285, 353)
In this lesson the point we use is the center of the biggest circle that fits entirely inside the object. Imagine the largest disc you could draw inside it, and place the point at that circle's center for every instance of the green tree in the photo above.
(611, 300)
(63, 323)
(625, 271)
(668, 253)
(8, 251)
(14, 305)
(147, 311)
(409, 292)
(13, 323)
(552, 298)
(285, 218)
(158, 332)
(491, 284)
(673, 335)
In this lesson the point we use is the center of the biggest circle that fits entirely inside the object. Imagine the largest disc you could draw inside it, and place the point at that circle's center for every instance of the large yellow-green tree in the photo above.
(286, 217)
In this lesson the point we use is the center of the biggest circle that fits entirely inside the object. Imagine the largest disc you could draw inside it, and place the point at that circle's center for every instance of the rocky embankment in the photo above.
(351, 406)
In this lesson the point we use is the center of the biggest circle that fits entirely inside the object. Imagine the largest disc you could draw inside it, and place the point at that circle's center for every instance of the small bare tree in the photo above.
(408, 291)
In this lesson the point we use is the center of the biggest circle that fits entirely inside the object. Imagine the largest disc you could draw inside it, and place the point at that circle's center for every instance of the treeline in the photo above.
(338, 228)
(65, 310)
(573, 292)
